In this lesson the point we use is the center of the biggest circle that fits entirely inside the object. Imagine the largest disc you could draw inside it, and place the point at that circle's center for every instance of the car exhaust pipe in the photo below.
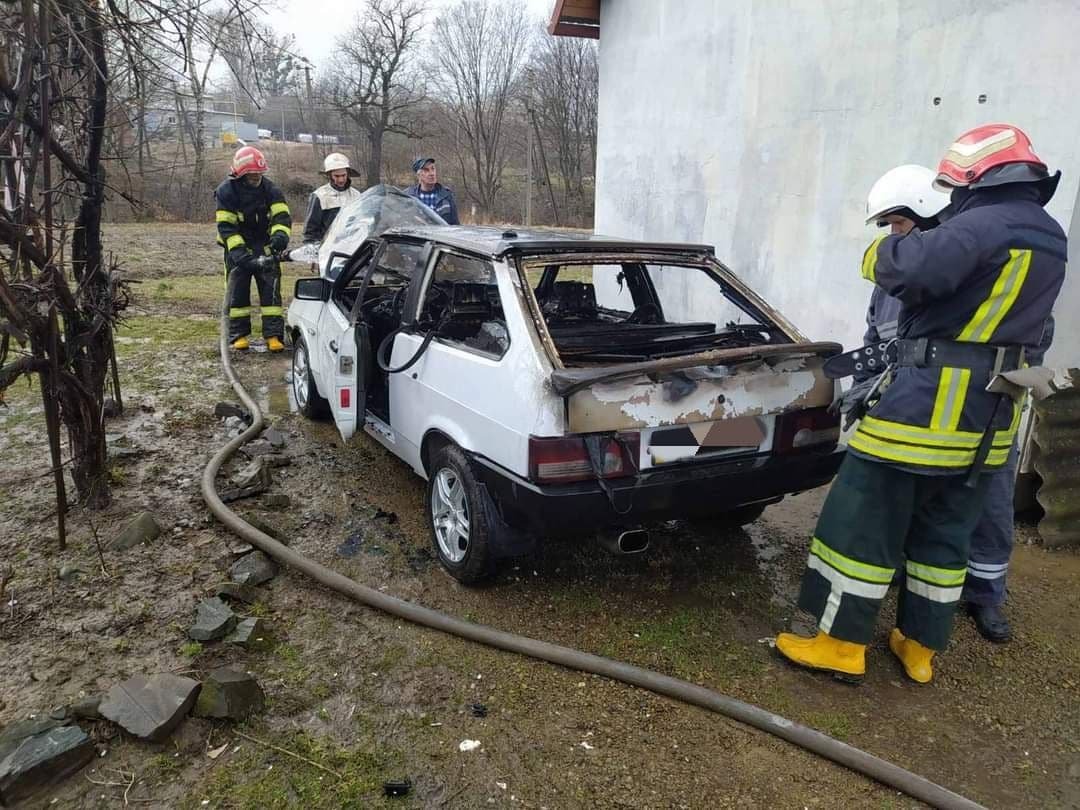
(631, 541)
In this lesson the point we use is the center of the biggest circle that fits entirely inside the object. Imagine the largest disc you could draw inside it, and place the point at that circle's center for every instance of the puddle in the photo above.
(277, 399)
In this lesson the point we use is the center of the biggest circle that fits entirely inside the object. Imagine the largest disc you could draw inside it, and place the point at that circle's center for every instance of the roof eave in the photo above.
(567, 19)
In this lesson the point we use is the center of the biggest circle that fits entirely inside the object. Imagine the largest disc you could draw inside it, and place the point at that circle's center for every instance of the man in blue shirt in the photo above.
(431, 193)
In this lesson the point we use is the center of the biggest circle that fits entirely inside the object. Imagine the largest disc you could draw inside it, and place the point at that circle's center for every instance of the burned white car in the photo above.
(545, 383)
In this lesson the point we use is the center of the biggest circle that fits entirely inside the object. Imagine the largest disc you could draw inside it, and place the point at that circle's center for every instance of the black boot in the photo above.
(991, 622)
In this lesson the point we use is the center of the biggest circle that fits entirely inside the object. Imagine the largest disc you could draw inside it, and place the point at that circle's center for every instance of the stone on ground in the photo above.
(214, 620)
(230, 694)
(142, 529)
(253, 569)
(150, 708)
(239, 593)
(254, 633)
(41, 760)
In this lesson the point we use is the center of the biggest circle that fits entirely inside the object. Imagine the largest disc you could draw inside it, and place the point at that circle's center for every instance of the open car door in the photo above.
(344, 353)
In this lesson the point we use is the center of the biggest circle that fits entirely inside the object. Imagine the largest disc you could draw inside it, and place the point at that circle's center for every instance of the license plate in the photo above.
(706, 439)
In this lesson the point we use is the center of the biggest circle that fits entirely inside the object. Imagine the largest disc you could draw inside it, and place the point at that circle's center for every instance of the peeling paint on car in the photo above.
(644, 403)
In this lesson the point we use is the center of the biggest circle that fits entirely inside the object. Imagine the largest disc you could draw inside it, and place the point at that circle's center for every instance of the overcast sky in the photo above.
(317, 23)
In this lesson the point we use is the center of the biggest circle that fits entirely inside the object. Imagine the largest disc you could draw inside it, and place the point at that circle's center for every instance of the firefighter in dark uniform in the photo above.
(253, 223)
(902, 199)
(976, 293)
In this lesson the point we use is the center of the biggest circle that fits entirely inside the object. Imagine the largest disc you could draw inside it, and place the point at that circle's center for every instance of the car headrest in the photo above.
(570, 298)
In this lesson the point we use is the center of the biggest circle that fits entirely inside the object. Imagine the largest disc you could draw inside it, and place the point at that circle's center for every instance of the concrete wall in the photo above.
(760, 126)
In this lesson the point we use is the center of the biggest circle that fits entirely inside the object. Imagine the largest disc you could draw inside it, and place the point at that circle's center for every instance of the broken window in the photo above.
(628, 310)
(462, 302)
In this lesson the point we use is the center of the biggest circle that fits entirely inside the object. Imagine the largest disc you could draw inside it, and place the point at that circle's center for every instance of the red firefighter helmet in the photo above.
(247, 160)
(979, 150)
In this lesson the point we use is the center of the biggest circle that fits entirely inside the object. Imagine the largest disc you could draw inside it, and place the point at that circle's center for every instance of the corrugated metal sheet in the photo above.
(1057, 461)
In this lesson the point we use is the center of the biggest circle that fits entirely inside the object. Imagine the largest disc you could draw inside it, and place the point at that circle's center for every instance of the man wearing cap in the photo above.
(431, 193)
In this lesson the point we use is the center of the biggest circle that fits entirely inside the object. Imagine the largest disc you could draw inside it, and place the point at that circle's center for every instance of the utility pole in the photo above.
(314, 134)
(543, 161)
(528, 174)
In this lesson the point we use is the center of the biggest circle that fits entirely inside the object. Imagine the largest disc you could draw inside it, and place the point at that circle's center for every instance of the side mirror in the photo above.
(312, 289)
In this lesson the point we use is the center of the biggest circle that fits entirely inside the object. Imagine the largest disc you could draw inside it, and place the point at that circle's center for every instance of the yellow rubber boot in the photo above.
(240, 344)
(913, 655)
(274, 344)
(845, 659)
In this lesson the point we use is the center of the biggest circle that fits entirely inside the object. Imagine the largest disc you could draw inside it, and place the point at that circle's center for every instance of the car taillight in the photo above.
(566, 458)
(803, 430)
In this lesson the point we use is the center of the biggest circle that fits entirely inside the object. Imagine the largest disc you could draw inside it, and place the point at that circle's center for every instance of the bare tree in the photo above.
(262, 63)
(59, 297)
(374, 83)
(563, 79)
(58, 300)
(480, 49)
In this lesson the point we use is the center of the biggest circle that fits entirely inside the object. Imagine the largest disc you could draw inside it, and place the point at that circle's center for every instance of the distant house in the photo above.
(163, 123)
(232, 131)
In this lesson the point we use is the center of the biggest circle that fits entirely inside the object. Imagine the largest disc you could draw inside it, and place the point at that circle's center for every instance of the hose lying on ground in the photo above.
(807, 738)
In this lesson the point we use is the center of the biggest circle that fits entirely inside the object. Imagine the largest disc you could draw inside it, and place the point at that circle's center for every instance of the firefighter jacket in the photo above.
(989, 275)
(247, 217)
(323, 207)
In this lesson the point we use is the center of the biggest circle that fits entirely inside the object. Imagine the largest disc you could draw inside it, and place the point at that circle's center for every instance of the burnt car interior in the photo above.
(632, 311)
(460, 306)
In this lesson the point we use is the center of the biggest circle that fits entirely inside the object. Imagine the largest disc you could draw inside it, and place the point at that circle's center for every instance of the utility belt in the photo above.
(924, 353)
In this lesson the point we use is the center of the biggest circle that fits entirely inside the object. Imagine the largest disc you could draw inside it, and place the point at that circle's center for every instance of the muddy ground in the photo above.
(371, 698)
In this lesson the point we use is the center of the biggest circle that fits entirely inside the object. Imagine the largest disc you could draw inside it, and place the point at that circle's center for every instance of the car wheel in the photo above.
(461, 524)
(308, 400)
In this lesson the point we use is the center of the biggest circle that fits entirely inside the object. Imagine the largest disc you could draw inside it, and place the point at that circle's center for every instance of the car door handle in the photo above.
(334, 346)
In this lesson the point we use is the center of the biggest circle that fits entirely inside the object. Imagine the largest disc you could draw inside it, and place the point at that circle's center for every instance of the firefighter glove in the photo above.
(278, 242)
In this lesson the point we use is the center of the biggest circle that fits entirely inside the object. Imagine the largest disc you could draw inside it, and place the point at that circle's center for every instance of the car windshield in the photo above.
(628, 310)
(376, 210)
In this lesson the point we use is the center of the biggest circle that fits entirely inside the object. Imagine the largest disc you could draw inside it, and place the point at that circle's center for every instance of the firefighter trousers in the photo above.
(992, 542)
(878, 519)
(268, 285)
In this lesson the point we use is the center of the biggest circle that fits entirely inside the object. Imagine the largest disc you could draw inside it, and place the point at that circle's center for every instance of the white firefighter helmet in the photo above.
(909, 186)
(335, 161)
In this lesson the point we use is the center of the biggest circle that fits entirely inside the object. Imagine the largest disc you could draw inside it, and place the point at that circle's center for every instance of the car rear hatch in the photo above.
(671, 355)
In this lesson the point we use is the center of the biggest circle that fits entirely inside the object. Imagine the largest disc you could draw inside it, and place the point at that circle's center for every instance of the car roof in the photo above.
(497, 242)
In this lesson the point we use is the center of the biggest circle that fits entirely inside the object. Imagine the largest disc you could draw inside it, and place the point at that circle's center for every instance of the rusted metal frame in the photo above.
(569, 381)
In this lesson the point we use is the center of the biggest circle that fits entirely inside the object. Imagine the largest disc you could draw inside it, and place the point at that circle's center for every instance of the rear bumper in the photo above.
(686, 491)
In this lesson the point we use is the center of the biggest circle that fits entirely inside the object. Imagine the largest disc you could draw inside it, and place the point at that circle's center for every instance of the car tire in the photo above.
(308, 399)
(460, 517)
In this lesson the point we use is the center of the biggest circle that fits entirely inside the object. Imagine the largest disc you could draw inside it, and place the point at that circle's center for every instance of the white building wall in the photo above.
(760, 126)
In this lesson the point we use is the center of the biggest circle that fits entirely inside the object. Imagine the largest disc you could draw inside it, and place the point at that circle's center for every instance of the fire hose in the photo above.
(861, 762)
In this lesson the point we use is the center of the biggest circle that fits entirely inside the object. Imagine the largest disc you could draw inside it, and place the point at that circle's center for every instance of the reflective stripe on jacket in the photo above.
(247, 217)
(988, 275)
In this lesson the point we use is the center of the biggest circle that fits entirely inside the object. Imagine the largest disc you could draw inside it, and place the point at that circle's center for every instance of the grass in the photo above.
(259, 778)
(206, 289)
(157, 329)
(683, 644)
(191, 650)
(834, 724)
